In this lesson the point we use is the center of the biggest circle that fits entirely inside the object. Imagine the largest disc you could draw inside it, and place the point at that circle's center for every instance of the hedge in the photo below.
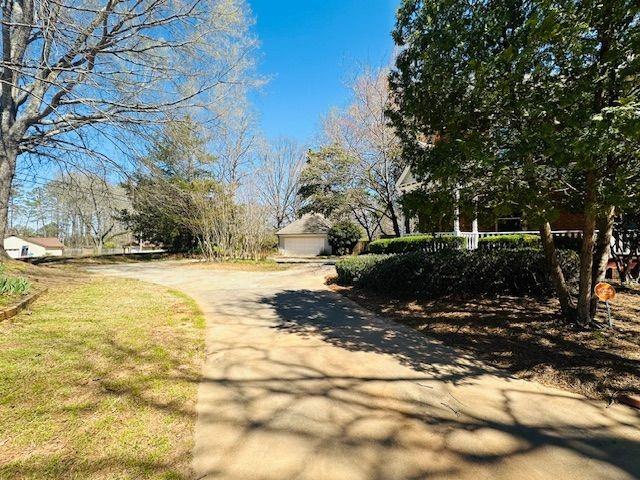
(428, 274)
(414, 243)
(350, 269)
(525, 240)
(501, 242)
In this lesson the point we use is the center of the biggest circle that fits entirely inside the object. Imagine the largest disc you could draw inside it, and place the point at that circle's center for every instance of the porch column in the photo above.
(474, 231)
(456, 211)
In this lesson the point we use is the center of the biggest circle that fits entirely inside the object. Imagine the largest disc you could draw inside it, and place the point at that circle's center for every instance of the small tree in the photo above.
(344, 236)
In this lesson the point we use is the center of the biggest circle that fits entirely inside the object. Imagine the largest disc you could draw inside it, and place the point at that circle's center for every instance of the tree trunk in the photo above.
(8, 156)
(601, 253)
(394, 220)
(585, 291)
(557, 277)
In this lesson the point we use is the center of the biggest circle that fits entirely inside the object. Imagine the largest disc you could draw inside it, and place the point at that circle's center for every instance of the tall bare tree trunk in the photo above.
(8, 156)
(601, 253)
(585, 291)
(557, 277)
(394, 220)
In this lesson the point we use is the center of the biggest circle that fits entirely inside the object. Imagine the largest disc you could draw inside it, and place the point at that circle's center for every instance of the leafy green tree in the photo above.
(343, 237)
(152, 219)
(325, 181)
(160, 194)
(525, 104)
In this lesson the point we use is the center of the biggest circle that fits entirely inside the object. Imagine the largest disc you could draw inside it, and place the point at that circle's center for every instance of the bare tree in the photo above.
(177, 199)
(77, 72)
(279, 180)
(90, 203)
(235, 143)
(363, 131)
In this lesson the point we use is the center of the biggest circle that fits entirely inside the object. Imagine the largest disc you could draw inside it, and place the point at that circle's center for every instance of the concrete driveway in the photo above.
(300, 383)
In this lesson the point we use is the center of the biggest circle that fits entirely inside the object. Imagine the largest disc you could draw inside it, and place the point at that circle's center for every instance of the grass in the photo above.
(100, 382)
(73, 263)
(107, 259)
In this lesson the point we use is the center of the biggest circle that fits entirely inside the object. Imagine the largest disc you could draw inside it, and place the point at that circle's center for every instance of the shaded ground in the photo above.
(527, 337)
(99, 380)
(300, 383)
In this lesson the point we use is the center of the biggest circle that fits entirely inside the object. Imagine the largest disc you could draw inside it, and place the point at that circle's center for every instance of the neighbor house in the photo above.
(23, 247)
(566, 224)
(308, 236)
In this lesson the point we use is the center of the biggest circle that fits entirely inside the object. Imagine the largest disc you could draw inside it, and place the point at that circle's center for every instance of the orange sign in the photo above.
(605, 292)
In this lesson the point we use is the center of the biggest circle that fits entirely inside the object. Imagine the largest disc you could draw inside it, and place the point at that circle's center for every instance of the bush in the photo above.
(502, 242)
(344, 236)
(415, 243)
(525, 240)
(352, 268)
(427, 274)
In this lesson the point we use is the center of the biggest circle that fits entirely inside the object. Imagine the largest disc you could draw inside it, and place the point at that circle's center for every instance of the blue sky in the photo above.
(309, 49)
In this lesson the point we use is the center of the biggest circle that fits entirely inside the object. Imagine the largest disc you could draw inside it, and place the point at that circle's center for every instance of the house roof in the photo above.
(406, 178)
(308, 224)
(46, 242)
(408, 182)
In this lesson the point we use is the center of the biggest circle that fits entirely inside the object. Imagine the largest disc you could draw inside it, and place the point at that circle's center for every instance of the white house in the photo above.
(307, 236)
(22, 247)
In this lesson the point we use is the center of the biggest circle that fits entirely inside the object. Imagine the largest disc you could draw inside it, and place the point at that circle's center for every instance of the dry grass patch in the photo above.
(242, 265)
(100, 382)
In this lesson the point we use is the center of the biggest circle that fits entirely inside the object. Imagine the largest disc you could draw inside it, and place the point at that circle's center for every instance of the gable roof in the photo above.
(46, 242)
(406, 178)
(308, 224)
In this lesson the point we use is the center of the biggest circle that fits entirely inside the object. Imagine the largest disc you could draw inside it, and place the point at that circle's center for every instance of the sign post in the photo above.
(605, 292)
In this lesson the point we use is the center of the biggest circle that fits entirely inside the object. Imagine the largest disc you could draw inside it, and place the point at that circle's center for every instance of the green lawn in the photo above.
(100, 382)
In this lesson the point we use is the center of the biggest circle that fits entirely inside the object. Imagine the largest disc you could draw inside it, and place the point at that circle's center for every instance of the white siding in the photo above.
(14, 248)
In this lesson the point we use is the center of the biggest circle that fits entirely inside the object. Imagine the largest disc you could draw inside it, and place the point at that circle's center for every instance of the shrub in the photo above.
(350, 269)
(525, 240)
(510, 241)
(414, 243)
(427, 274)
(343, 237)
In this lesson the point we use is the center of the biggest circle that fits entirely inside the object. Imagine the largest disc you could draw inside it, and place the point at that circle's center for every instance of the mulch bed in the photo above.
(527, 337)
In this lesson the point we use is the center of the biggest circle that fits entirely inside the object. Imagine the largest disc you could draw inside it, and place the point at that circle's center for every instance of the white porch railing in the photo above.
(473, 237)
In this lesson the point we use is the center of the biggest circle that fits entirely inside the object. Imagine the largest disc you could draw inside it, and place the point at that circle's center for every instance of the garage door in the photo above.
(307, 246)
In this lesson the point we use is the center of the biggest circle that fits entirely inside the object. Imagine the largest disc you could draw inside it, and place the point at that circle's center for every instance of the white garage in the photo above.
(24, 247)
(306, 237)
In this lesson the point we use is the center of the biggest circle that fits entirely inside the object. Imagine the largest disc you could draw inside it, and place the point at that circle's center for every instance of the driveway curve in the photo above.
(301, 383)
